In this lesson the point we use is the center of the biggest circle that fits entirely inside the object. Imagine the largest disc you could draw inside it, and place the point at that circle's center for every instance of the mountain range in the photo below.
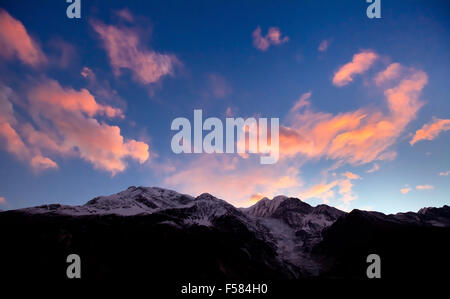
(162, 235)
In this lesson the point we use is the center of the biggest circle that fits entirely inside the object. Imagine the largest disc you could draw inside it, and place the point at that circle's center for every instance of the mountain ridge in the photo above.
(282, 237)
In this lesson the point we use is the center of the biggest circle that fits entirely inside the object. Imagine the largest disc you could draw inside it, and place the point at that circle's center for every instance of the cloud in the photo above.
(343, 188)
(365, 135)
(86, 72)
(356, 137)
(424, 187)
(303, 101)
(374, 168)
(233, 179)
(273, 37)
(392, 72)
(256, 197)
(126, 15)
(10, 139)
(322, 191)
(323, 46)
(125, 51)
(405, 190)
(431, 130)
(65, 124)
(72, 114)
(360, 63)
(2, 200)
(444, 173)
(351, 175)
(16, 42)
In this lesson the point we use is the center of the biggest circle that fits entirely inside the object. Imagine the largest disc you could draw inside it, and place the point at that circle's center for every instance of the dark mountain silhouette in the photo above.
(161, 235)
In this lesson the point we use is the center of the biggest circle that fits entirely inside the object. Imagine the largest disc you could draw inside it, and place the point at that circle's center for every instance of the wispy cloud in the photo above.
(360, 63)
(405, 190)
(323, 46)
(424, 187)
(444, 173)
(273, 37)
(431, 130)
(125, 51)
(374, 168)
(219, 87)
(340, 189)
(16, 42)
(392, 72)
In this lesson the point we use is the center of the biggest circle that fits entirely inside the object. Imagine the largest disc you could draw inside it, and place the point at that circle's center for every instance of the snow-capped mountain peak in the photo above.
(132, 201)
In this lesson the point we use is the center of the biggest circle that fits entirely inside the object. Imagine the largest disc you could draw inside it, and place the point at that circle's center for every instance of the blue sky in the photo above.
(215, 64)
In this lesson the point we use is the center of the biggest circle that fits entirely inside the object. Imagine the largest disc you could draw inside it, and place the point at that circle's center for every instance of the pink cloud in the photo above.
(65, 124)
(340, 188)
(16, 42)
(2, 200)
(125, 51)
(323, 46)
(351, 175)
(392, 72)
(424, 187)
(273, 37)
(71, 112)
(405, 190)
(357, 137)
(234, 179)
(12, 141)
(303, 101)
(360, 63)
(374, 168)
(431, 130)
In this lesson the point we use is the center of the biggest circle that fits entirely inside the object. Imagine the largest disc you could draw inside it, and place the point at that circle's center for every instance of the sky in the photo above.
(86, 105)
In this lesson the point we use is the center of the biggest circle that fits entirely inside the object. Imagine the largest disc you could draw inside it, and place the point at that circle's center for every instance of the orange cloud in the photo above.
(256, 197)
(431, 130)
(405, 190)
(424, 187)
(126, 52)
(2, 200)
(357, 137)
(392, 72)
(351, 176)
(360, 63)
(220, 176)
(327, 191)
(15, 41)
(273, 37)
